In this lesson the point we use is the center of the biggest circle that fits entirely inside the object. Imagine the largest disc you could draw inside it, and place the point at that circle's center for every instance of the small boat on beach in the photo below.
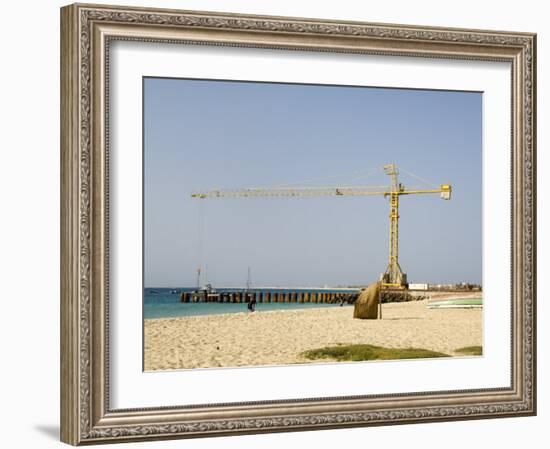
(455, 302)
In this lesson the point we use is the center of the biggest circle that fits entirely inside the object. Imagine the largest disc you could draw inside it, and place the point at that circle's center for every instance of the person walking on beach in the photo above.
(252, 304)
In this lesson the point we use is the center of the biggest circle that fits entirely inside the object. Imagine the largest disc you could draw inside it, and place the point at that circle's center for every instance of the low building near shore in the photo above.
(418, 286)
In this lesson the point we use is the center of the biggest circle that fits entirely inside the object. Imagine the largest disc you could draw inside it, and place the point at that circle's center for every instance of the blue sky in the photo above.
(200, 135)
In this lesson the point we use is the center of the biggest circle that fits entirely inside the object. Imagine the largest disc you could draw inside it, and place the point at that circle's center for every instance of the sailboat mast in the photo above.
(248, 280)
(198, 277)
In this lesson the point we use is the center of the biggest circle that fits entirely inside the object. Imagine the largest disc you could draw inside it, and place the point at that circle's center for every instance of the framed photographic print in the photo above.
(282, 224)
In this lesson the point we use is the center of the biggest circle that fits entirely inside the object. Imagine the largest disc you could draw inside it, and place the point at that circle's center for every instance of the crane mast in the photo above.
(393, 277)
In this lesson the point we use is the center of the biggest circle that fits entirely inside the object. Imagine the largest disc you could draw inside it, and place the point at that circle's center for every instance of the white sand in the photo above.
(279, 337)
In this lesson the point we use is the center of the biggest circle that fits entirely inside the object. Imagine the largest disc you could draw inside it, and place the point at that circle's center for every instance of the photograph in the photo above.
(288, 223)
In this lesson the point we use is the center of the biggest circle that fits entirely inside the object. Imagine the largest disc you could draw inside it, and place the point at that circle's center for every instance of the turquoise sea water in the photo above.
(161, 303)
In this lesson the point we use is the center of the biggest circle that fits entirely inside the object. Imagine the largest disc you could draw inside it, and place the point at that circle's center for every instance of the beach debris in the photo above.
(366, 305)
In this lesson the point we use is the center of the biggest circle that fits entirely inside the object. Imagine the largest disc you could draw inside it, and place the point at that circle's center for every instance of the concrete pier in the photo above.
(298, 296)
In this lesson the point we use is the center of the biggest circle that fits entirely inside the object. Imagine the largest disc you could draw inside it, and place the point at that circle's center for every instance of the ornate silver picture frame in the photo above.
(87, 33)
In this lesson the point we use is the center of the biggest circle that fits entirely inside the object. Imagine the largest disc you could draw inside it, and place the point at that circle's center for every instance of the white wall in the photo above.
(29, 187)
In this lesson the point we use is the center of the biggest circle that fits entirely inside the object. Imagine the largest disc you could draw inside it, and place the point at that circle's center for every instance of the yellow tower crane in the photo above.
(393, 277)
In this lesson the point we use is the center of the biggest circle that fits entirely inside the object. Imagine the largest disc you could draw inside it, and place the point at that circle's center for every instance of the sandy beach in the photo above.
(279, 337)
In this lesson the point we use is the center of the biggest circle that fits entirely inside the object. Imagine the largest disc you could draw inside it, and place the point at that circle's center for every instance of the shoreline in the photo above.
(279, 337)
(258, 310)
